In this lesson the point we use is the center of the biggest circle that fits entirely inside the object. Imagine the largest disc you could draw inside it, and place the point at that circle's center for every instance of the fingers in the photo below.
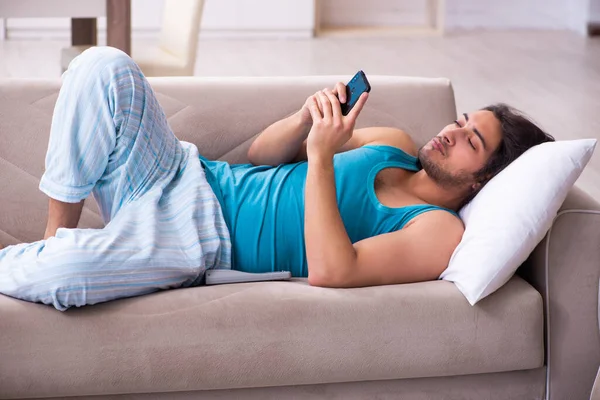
(313, 108)
(325, 105)
(319, 102)
(340, 91)
(335, 105)
(358, 106)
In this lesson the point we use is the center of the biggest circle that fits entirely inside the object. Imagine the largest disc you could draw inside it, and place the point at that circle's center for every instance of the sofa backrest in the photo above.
(220, 115)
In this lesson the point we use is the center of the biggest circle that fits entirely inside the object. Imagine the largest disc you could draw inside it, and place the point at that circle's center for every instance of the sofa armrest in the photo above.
(565, 269)
(596, 389)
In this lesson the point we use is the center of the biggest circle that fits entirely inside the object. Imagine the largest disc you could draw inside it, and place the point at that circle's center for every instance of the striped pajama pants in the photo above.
(164, 226)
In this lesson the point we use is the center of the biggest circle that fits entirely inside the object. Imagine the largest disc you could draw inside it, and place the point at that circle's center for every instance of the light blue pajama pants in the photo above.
(164, 225)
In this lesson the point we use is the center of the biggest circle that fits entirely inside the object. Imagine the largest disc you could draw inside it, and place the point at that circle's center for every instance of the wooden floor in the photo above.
(553, 76)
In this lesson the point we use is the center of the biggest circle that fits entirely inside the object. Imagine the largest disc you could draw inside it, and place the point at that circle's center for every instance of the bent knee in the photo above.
(103, 56)
(105, 53)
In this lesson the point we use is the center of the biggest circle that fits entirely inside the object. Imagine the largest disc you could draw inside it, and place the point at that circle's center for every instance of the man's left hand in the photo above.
(330, 129)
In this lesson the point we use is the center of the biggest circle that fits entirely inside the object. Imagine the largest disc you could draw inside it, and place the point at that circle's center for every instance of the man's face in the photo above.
(461, 149)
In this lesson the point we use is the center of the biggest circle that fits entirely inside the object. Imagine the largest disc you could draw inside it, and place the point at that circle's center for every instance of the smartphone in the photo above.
(357, 86)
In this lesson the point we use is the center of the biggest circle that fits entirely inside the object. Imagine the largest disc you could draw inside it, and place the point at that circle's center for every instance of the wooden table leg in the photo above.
(118, 24)
(84, 32)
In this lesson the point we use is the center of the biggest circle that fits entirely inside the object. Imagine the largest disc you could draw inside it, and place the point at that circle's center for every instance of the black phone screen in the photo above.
(357, 86)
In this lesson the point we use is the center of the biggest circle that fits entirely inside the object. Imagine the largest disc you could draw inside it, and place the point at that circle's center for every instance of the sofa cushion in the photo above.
(266, 334)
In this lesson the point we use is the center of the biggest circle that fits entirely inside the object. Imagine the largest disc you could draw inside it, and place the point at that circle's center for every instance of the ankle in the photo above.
(49, 233)
(62, 215)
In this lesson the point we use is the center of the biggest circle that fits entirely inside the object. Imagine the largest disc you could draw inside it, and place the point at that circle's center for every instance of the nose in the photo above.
(448, 138)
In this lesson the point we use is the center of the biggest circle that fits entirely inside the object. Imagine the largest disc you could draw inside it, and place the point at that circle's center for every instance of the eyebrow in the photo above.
(476, 131)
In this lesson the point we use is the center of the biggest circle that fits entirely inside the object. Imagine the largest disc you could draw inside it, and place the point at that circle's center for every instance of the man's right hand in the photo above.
(339, 90)
(284, 141)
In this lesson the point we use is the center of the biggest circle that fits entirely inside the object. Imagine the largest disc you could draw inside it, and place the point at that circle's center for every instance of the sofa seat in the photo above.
(266, 334)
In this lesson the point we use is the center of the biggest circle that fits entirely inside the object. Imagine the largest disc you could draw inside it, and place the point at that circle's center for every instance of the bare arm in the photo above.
(280, 142)
(327, 242)
(420, 251)
(285, 140)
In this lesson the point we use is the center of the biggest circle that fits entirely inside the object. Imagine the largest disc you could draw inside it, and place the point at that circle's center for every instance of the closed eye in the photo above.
(460, 126)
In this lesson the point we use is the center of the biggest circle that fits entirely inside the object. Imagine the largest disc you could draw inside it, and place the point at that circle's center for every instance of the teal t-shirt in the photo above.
(264, 206)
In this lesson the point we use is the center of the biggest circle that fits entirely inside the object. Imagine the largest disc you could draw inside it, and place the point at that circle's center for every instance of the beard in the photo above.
(441, 176)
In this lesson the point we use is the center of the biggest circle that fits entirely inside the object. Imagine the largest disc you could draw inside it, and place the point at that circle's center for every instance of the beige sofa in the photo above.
(536, 338)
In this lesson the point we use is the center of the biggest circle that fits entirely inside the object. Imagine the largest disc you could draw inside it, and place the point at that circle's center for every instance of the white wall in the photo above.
(295, 18)
(259, 15)
(220, 18)
(594, 15)
(578, 12)
(511, 14)
(335, 13)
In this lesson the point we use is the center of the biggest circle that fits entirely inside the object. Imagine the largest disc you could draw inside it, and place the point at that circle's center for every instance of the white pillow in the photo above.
(511, 215)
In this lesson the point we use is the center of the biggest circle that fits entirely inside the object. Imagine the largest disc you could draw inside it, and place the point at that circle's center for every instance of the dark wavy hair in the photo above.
(519, 134)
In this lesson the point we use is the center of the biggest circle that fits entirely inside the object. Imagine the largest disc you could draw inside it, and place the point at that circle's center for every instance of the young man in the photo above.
(343, 207)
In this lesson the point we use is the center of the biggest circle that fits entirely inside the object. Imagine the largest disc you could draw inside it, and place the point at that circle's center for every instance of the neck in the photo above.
(423, 187)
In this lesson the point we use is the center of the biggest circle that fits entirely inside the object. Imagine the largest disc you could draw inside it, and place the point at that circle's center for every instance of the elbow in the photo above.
(326, 280)
(255, 157)
(251, 154)
(315, 280)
